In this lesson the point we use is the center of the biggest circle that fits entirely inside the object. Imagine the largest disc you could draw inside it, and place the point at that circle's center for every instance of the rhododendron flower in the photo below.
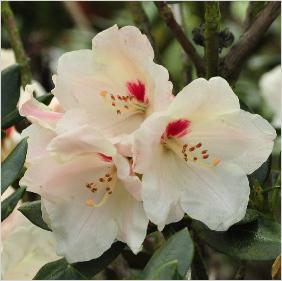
(270, 84)
(195, 156)
(116, 83)
(21, 259)
(90, 196)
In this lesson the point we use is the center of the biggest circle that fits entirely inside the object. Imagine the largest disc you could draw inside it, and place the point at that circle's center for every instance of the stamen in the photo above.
(206, 156)
(199, 145)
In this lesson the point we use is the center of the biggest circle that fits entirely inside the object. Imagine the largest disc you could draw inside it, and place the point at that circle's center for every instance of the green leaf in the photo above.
(14, 117)
(32, 211)
(259, 240)
(251, 216)
(9, 204)
(198, 268)
(167, 271)
(62, 270)
(58, 270)
(178, 247)
(13, 165)
(10, 89)
(262, 173)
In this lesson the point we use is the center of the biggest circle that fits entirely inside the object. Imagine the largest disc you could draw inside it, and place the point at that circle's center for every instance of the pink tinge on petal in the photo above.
(30, 109)
(137, 90)
(105, 157)
(177, 128)
(9, 131)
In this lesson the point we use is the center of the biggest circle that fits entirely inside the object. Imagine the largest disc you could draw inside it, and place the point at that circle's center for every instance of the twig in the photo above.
(142, 21)
(253, 9)
(179, 34)
(212, 28)
(77, 15)
(16, 43)
(239, 53)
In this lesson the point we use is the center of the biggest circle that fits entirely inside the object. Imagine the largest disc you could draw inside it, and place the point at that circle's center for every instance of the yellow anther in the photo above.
(103, 93)
(215, 162)
(89, 202)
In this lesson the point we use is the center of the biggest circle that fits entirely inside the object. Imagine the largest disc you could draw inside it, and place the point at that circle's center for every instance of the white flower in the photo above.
(270, 84)
(7, 58)
(195, 156)
(90, 196)
(116, 83)
(25, 247)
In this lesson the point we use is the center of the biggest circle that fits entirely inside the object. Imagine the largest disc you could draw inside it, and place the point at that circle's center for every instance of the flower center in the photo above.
(103, 187)
(135, 101)
(194, 152)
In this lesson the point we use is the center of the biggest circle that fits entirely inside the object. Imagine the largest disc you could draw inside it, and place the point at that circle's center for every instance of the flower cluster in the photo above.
(122, 150)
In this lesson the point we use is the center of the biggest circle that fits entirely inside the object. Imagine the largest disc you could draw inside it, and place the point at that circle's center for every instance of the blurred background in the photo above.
(50, 28)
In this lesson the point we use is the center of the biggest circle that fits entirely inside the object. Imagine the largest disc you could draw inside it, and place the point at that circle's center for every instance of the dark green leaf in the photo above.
(178, 247)
(62, 270)
(13, 164)
(58, 270)
(32, 211)
(167, 271)
(198, 268)
(10, 89)
(251, 216)
(92, 267)
(14, 117)
(259, 240)
(9, 204)
(262, 173)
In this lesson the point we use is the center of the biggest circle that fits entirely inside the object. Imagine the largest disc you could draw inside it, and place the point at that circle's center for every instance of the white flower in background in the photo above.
(90, 196)
(7, 58)
(195, 156)
(270, 84)
(116, 83)
(25, 248)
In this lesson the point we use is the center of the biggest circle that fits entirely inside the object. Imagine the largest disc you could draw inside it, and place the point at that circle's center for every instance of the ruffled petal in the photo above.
(239, 137)
(216, 196)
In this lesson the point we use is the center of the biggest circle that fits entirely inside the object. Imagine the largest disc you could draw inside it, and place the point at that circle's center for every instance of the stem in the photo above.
(142, 21)
(16, 43)
(180, 36)
(212, 28)
(239, 53)
(254, 8)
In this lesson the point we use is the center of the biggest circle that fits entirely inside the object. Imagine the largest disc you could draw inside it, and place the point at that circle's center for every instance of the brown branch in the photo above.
(179, 34)
(16, 42)
(239, 53)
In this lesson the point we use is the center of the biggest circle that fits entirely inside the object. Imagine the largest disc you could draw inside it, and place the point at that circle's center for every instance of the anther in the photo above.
(108, 188)
(109, 179)
(192, 148)
(113, 104)
(103, 93)
(89, 202)
(126, 106)
(204, 151)
(198, 145)
(205, 156)
(107, 175)
(94, 189)
(118, 111)
(112, 97)
(195, 158)
(215, 162)
(101, 180)
(110, 192)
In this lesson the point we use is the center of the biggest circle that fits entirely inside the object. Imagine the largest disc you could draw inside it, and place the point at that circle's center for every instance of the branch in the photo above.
(253, 9)
(16, 43)
(212, 28)
(240, 52)
(179, 34)
(141, 20)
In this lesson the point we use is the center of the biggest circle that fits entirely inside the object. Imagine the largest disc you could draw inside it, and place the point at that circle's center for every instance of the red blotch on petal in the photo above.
(105, 157)
(177, 128)
(137, 90)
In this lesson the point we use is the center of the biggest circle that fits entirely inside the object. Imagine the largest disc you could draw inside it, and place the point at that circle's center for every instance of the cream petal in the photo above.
(204, 99)
(240, 137)
(216, 196)
(131, 219)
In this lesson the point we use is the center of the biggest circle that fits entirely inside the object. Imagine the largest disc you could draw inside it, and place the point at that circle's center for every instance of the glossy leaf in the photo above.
(32, 211)
(178, 247)
(10, 89)
(13, 165)
(258, 240)
(9, 204)
(58, 270)
(62, 270)
(167, 271)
